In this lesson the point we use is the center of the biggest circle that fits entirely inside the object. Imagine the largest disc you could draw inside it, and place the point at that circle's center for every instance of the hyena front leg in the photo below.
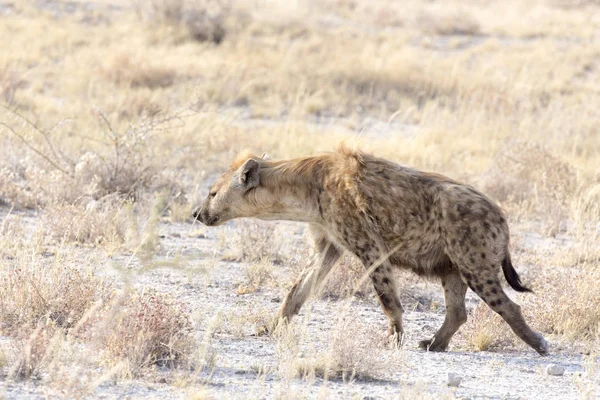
(310, 280)
(326, 255)
(374, 256)
(385, 287)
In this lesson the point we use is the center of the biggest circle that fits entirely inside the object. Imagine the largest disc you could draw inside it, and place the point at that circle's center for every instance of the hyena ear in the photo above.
(266, 156)
(249, 177)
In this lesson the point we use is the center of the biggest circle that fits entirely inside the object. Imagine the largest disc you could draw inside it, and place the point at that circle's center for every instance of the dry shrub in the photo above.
(125, 71)
(61, 290)
(456, 22)
(14, 190)
(203, 21)
(567, 303)
(485, 330)
(527, 175)
(146, 329)
(124, 163)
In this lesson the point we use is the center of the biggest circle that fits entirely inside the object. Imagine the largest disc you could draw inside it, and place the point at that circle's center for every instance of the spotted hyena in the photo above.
(387, 215)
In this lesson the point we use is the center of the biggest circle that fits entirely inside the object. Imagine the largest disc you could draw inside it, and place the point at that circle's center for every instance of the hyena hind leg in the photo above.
(490, 291)
(456, 314)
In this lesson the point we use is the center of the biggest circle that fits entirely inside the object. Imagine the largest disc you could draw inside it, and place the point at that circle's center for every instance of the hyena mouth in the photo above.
(212, 221)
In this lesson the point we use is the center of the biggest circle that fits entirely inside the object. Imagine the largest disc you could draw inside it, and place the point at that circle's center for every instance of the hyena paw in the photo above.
(432, 345)
(396, 338)
(424, 344)
(262, 330)
(542, 347)
(269, 328)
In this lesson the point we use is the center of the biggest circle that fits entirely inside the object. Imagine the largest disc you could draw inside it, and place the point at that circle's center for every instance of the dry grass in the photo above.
(113, 118)
(253, 241)
(354, 353)
(57, 290)
(257, 274)
(568, 303)
(486, 330)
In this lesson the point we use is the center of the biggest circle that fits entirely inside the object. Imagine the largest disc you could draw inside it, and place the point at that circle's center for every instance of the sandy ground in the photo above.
(247, 365)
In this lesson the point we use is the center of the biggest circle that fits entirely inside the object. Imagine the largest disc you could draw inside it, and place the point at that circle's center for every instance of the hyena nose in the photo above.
(197, 215)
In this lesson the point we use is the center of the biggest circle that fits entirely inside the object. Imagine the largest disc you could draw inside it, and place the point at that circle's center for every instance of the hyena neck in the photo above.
(289, 190)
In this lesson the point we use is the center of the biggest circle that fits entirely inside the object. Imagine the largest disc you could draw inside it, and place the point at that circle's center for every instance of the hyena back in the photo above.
(388, 216)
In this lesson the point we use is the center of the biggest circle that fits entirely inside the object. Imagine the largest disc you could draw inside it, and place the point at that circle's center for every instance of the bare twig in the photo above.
(37, 151)
(43, 133)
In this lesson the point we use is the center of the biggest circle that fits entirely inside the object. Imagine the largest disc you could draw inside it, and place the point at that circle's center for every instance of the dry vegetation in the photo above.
(114, 116)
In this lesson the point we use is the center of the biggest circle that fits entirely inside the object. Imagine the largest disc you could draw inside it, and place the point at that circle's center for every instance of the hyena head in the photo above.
(227, 198)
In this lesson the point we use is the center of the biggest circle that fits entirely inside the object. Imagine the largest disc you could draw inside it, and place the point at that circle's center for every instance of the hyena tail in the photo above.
(512, 277)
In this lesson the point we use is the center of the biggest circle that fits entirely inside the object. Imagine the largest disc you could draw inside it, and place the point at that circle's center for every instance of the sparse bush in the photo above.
(147, 329)
(124, 165)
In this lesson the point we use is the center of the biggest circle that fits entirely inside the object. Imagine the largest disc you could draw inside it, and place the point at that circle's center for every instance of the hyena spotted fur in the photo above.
(388, 216)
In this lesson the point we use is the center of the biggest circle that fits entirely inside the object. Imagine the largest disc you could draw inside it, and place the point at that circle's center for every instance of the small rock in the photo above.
(555, 370)
(454, 380)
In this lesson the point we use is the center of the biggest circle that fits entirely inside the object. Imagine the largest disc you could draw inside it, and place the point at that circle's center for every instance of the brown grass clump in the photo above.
(147, 329)
(10, 83)
(32, 353)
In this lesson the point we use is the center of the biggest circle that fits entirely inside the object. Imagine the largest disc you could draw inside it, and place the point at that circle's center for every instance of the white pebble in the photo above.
(555, 370)
(454, 379)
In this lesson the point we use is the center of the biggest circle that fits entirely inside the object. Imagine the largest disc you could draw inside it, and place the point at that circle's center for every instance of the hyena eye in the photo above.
(212, 194)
